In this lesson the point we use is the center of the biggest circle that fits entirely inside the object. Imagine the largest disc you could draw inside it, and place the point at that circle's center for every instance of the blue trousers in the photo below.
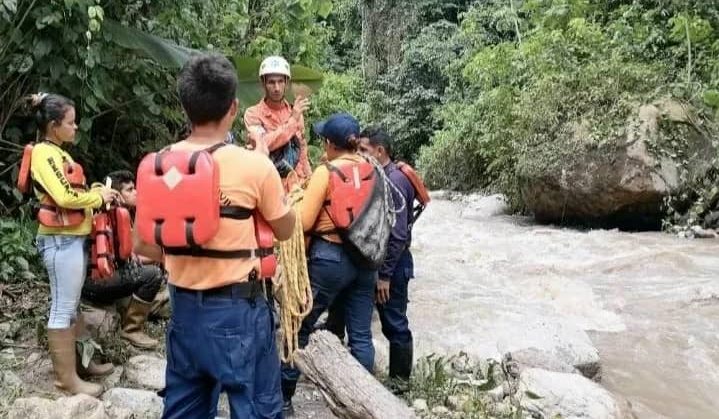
(333, 273)
(393, 314)
(221, 344)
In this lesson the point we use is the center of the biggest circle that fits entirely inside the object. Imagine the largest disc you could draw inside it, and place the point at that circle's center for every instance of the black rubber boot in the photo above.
(400, 366)
(288, 391)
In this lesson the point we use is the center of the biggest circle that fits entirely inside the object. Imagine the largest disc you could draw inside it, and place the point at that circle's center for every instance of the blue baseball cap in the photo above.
(339, 128)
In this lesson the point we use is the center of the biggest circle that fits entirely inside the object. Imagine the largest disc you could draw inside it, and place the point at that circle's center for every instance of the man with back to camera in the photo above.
(220, 331)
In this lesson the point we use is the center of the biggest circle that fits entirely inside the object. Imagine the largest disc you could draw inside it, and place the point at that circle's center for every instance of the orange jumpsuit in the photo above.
(275, 125)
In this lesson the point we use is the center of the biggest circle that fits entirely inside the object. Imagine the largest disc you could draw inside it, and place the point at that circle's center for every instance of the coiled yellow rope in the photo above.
(293, 284)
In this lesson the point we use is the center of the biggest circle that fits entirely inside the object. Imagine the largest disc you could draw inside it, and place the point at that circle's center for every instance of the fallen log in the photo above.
(350, 391)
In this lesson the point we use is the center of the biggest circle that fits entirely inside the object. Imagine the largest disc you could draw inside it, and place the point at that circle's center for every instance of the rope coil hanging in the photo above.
(294, 293)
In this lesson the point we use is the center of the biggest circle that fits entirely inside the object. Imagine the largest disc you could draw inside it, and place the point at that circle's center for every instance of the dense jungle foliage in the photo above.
(476, 93)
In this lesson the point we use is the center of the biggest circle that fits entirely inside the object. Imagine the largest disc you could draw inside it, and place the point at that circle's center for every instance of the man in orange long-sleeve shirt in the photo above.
(279, 125)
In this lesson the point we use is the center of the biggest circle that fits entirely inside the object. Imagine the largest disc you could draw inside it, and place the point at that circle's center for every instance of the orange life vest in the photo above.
(420, 190)
(111, 241)
(49, 213)
(178, 208)
(23, 178)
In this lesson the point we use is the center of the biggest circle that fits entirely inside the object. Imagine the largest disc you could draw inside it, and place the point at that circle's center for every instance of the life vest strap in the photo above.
(55, 208)
(235, 212)
(219, 254)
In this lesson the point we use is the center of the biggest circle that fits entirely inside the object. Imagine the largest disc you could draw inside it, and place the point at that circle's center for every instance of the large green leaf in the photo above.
(168, 54)
(165, 52)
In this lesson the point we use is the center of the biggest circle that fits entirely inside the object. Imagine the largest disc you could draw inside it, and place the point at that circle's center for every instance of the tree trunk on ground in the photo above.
(350, 390)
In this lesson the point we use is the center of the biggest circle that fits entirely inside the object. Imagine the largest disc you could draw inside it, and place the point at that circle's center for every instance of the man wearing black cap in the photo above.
(331, 269)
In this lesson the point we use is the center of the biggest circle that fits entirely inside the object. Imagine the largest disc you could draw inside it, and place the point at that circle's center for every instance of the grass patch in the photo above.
(459, 385)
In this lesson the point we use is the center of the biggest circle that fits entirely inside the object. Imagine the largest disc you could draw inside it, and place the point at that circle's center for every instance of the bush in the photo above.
(19, 260)
(404, 99)
(520, 110)
(339, 93)
(127, 103)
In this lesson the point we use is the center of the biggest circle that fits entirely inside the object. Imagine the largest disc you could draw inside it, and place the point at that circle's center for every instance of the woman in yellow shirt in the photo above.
(65, 222)
(331, 270)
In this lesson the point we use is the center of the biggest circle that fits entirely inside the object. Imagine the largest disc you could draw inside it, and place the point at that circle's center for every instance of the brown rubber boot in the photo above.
(93, 368)
(135, 317)
(62, 353)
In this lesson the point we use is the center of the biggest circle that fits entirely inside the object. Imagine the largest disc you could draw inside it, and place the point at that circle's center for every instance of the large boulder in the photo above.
(138, 403)
(561, 341)
(100, 321)
(146, 371)
(80, 406)
(621, 181)
(535, 358)
(479, 207)
(551, 394)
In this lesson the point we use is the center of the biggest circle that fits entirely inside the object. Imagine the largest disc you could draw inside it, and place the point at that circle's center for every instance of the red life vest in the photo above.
(102, 260)
(111, 241)
(358, 206)
(350, 187)
(420, 190)
(178, 208)
(49, 213)
(121, 222)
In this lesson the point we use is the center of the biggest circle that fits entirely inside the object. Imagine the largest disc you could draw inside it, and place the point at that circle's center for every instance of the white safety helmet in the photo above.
(275, 65)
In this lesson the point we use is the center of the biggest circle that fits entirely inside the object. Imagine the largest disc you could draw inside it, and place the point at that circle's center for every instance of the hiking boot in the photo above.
(288, 391)
(63, 355)
(287, 409)
(135, 317)
(93, 369)
(400, 366)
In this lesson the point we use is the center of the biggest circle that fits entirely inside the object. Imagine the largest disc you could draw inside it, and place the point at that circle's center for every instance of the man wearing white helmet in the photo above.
(279, 125)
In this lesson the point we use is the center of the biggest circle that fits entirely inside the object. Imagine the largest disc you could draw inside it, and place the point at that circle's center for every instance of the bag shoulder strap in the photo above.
(334, 169)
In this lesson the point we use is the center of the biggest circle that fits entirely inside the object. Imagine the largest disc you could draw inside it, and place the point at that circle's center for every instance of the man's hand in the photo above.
(256, 142)
(300, 106)
(382, 291)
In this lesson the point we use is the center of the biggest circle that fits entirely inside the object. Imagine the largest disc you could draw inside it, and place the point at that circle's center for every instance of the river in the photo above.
(649, 302)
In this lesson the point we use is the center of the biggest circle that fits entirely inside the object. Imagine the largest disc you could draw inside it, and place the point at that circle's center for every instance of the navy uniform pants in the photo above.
(221, 343)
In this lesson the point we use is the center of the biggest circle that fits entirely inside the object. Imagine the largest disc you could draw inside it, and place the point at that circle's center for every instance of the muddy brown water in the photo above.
(648, 301)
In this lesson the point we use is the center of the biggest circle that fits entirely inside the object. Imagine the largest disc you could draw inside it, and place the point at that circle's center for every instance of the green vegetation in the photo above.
(480, 94)
(461, 386)
(534, 73)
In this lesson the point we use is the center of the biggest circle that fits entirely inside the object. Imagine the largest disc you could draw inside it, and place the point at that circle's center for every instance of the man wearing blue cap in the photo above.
(332, 271)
